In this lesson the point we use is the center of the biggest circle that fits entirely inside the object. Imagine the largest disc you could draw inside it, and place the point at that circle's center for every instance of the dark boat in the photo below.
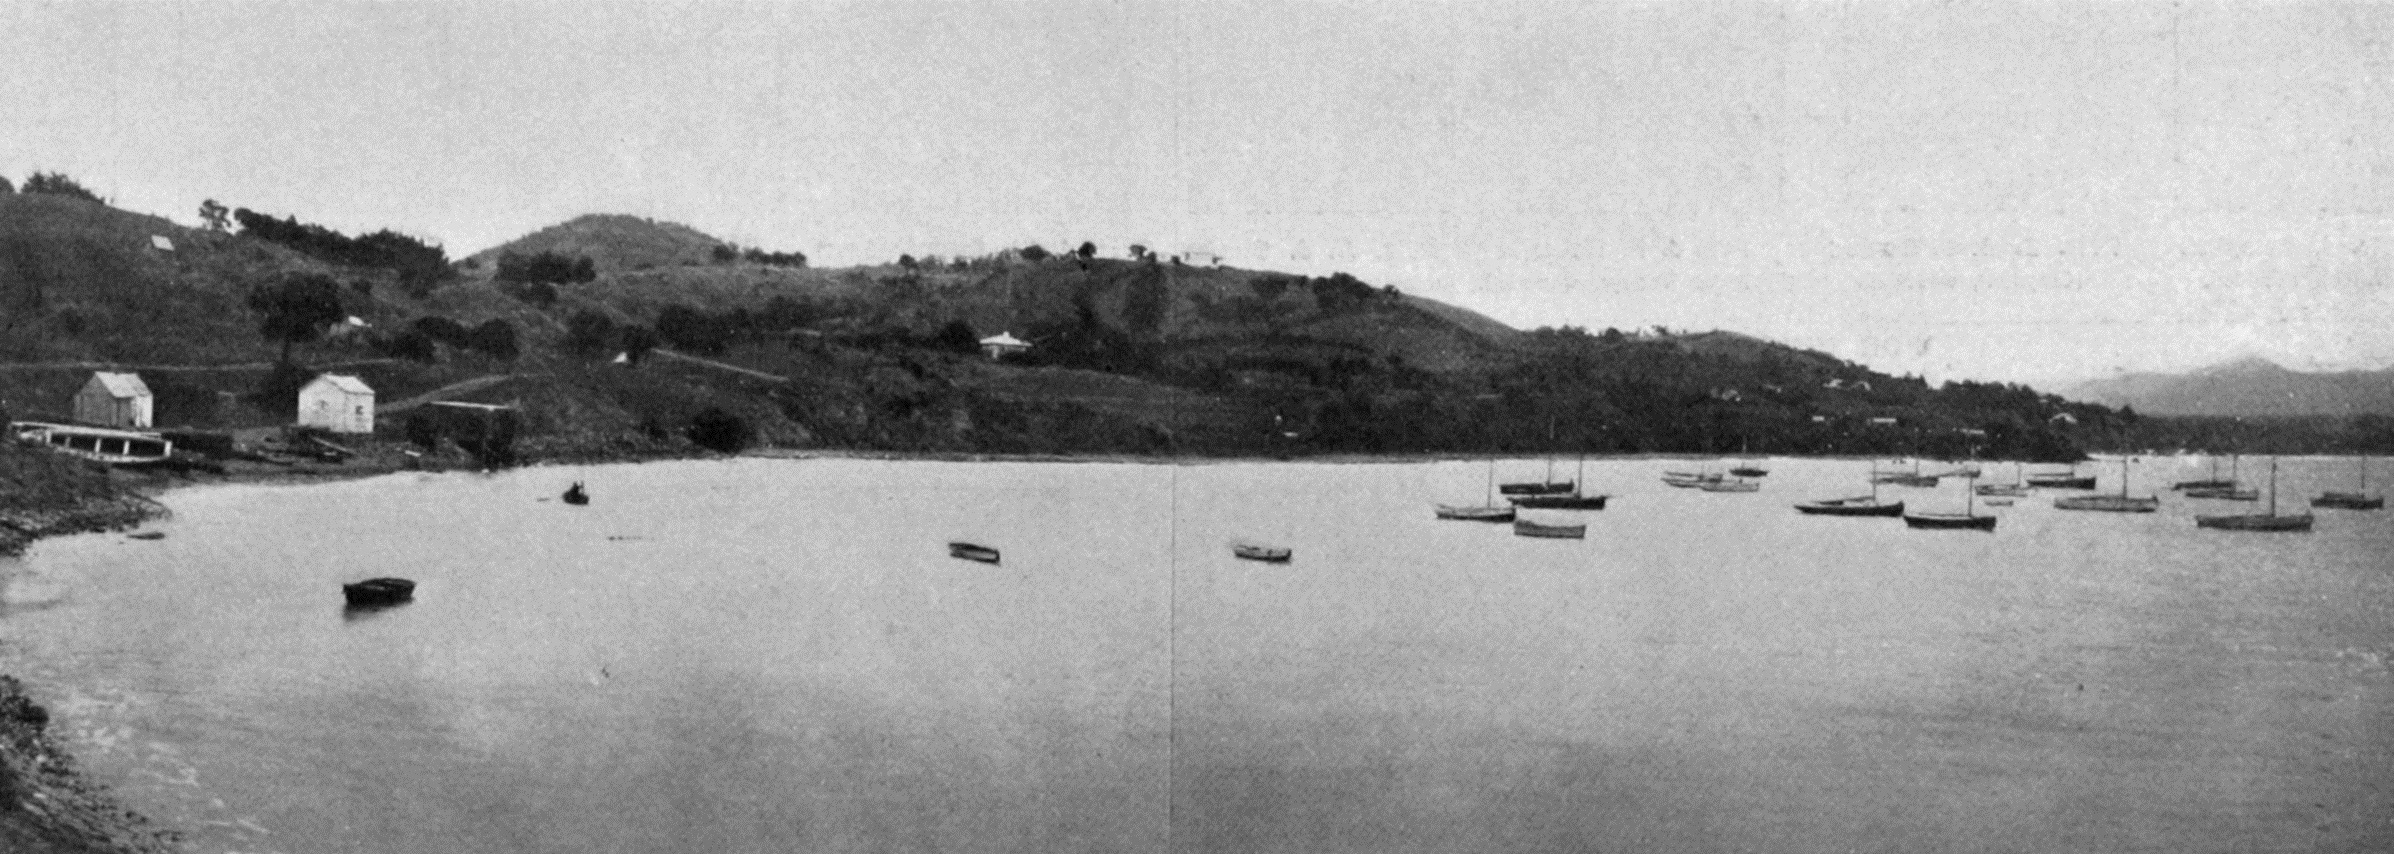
(1551, 487)
(2269, 521)
(575, 495)
(1572, 501)
(378, 591)
(1261, 552)
(2357, 500)
(1527, 528)
(2062, 480)
(1861, 505)
(2121, 503)
(1749, 471)
(1911, 478)
(1486, 512)
(2212, 482)
(971, 551)
(2229, 490)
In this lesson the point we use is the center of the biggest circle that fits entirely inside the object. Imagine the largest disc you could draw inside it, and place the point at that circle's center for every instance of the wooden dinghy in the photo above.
(378, 591)
(1527, 528)
(973, 551)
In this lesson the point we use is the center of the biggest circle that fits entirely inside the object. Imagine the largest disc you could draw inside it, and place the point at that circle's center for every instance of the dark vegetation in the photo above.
(1129, 355)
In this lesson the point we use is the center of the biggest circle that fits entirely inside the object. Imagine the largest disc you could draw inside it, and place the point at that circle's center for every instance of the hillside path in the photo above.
(685, 357)
(459, 387)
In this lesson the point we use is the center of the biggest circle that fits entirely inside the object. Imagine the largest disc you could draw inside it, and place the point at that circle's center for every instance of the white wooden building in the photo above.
(114, 400)
(337, 402)
(1003, 344)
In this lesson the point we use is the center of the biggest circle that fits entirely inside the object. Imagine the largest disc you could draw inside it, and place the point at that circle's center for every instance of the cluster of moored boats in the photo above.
(1548, 494)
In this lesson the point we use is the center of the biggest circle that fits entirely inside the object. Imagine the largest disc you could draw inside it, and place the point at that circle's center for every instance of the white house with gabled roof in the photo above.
(111, 399)
(337, 402)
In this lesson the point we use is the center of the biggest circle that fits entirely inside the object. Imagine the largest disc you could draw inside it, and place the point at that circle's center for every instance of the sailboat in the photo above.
(2018, 487)
(1748, 468)
(1860, 505)
(1488, 512)
(2227, 491)
(2269, 521)
(2357, 500)
(1690, 479)
(1549, 486)
(1576, 500)
(2212, 482)
(1968, 519)
(1912, 478)
(2120, 503)
(2062, 480)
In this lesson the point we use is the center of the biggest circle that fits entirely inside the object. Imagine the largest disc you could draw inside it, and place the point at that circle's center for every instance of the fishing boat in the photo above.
(2018, 487)
(1574, 500)
(575, 496)
(1549, 486)
(1968, 519)
(2269, 521)
(2212, 482)
(378, 591)
(2359, 499)
(1738, 485)
(1860, 505)
(1488, 512)
(972, 551)
(1527, 528)
(2062, 480)
(100, 444)
(1261, 552)
(1898, 478)
(2121, 503)
(2229, 491)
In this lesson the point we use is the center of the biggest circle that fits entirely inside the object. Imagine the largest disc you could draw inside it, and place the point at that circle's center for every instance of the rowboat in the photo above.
(1258, 551)
(1688, 480)
(1729, 486)
(1861, 505)
(1475, 514)
(378, 591)
(99, 444)
(1527, 528)
(2269, 521)
(973, 551)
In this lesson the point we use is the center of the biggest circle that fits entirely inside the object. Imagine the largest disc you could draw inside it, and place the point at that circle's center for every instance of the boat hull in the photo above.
(2349, 501)
(973, 552)
(1265, 554)
(1548, 488)
(1949, 521)
(2255, 522)
(2225, 493)
(1907, 479)
(2051, 482)
(2002, 490)
(378, 591)
(1848, 508)
(2109, 503)
(1476, 514)
(1749, 472)
(1561, 502)
(1526, 528)
(1730, 486)
(2204, 484)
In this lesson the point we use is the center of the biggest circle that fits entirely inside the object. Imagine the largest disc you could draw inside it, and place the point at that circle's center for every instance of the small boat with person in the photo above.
(378, 591)
(575, 496)
(2267, 521)
(1527, 528)
(972, 551)
(2358, 499)
(1260, 552)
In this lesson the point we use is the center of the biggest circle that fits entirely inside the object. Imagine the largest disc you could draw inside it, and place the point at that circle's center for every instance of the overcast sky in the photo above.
(1991, 191)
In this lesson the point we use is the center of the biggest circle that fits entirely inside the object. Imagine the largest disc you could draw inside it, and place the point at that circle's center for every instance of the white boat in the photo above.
(104, 444)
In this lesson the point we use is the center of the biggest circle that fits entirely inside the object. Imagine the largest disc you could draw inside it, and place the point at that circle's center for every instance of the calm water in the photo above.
(777, 655)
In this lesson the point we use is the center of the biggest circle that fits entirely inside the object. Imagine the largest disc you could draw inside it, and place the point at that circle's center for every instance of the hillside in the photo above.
(2246, 388)
(1129, 354)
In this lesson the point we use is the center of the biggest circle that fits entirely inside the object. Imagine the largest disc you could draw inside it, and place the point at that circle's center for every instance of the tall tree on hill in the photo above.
(215, 215)
(297, 309)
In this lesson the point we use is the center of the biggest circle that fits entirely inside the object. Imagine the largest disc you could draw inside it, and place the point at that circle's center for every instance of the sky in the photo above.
(1995, 191)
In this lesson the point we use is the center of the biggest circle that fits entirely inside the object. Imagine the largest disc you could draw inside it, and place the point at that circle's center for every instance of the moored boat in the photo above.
(1730, 486)
(972, 551)
(1968, 519)
(2121, 503)
(1261, 552)
(1574, 501)
(1689, 480)
(1550, 487)
(1527, 528)
(1475, 514)
(2356, 500)
(100, 444)
(1861, 505)
(378, 591)
(2268, 521)
(1749, 470)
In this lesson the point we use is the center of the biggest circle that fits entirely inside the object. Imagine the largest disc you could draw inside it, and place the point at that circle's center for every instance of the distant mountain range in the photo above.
(2249, 387)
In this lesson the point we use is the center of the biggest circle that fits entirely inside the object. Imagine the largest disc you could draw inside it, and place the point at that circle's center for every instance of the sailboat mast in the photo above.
(2273, 486)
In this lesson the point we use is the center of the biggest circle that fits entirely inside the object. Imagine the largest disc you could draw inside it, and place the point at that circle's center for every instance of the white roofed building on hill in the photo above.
(1003, 344)
(112, 399)
(337, 402)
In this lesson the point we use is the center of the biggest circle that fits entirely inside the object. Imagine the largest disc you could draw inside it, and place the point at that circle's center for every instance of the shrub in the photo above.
(958, 336)
(1034, 252)
(589, 333)
(411, 345)
(717, 430)
(495, 337)
(444, 330)
(58, 184)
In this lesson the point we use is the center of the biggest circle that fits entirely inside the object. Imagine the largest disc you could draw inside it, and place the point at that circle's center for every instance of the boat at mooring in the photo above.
(1527, 528)
(2266, 521)
(378, 591)
(972, 551)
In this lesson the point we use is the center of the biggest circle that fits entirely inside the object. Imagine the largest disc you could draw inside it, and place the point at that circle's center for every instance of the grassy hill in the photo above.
(2251, 388)
(1129, 355)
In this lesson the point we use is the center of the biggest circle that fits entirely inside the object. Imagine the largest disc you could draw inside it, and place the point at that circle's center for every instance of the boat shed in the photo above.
(112, 399)
(1003, 344)
(337, 402)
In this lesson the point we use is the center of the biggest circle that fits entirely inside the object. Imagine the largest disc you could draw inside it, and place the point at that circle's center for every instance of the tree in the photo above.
(725, 253)
(216, 216)
(1087, 251)
(1137, 251)
(589, 333)
(717, 430)
(958, 336)
(1034, 252)
(495, 337)
(297, 309)
(5, 187)
(906, 261)
(58, 184)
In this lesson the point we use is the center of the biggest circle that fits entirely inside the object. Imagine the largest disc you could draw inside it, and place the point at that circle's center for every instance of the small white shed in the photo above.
(114, 400)
(1003, 344)
(337, 402)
